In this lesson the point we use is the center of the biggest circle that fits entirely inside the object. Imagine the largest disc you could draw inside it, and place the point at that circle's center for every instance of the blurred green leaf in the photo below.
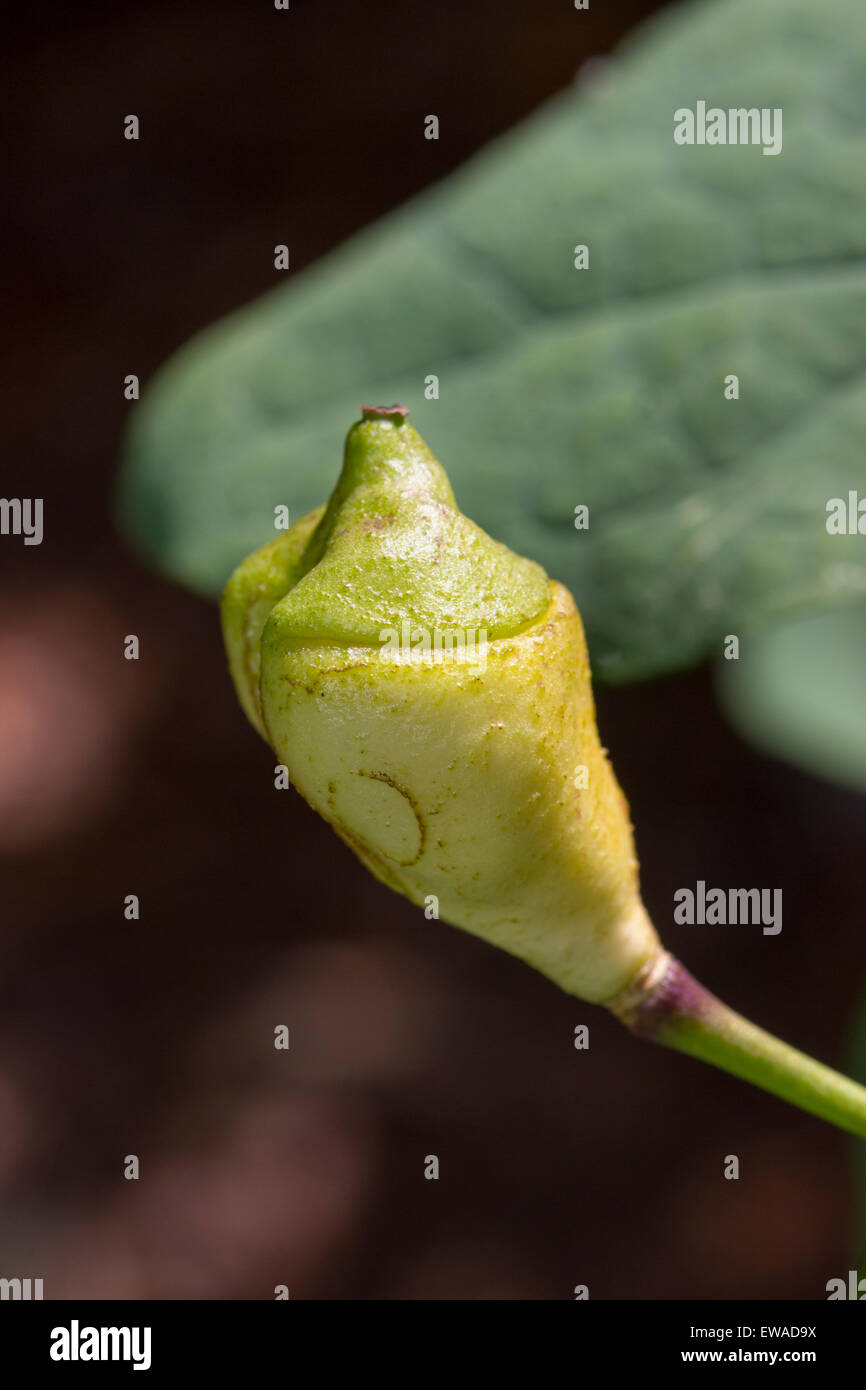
(561, 387)
(798, 691)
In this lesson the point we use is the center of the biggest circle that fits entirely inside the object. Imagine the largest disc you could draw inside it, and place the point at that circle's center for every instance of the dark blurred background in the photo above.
(408, 1038)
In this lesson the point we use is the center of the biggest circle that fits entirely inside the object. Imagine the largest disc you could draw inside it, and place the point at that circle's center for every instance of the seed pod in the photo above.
(429, 692)
(471, 770)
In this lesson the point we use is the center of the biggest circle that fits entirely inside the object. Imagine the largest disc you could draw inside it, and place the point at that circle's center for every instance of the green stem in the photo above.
(667, 1005)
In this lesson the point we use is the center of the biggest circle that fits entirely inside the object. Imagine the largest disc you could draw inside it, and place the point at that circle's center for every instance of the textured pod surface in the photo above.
(475, 775)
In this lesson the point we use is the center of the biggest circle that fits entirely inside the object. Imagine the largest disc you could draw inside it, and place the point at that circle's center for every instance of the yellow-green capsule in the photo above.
(429, 692)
